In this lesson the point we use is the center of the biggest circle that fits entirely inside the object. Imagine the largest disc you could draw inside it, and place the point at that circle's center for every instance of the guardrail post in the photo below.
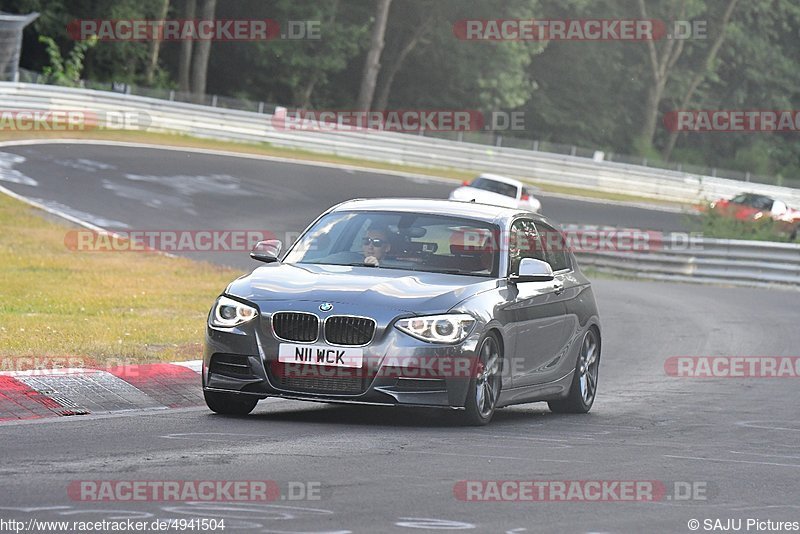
(498, 141)
(214, 101)
(261, 107)
(172, 94)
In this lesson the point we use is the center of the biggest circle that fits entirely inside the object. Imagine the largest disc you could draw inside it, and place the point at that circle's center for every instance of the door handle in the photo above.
(558, 288)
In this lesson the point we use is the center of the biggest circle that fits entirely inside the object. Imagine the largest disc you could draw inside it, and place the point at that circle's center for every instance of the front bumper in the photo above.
(397, 370)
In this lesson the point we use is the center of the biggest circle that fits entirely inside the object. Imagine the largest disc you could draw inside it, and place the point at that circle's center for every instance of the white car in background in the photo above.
(498, 191)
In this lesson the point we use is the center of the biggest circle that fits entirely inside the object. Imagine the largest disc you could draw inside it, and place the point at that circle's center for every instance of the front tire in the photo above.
(485, 384)
(583, 389)
(228, 403)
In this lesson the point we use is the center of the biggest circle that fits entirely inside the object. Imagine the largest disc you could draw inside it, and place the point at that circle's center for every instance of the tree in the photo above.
(185, 58)
(410, 36)
(702, 74)
(202, 52)
(66, 72)
(662, 62)
(301, 73)
(372, 62)
(443, 71)
(155, 47)
(755, 69)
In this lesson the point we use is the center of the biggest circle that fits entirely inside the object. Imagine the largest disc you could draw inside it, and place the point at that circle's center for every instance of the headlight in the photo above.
(228, 312)
(438, 328)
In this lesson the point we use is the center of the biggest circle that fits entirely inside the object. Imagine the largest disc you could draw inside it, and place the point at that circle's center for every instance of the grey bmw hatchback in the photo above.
(409, 302)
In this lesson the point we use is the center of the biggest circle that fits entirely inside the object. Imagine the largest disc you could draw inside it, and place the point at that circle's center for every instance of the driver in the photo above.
(375, 245)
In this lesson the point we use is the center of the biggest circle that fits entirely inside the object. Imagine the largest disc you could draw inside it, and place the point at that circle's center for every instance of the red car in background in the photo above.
(752, 207)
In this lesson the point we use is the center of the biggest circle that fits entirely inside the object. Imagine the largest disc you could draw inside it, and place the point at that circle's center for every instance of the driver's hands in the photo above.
(371, 261)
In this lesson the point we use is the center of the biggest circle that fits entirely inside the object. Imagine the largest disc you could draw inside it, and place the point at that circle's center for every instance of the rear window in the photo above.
(494, 186)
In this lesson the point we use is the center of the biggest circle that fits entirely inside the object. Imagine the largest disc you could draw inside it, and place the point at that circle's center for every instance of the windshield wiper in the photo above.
(357, 264)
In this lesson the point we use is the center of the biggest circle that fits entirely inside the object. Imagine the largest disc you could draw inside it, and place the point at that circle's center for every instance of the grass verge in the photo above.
(99, 306)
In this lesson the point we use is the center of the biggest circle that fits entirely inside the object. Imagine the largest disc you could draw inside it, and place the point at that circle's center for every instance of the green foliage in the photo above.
(589, 94)
(712, 223)
(65, 72)
(756, 157)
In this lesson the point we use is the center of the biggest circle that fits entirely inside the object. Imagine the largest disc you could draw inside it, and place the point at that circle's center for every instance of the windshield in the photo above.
(755, 201)
(494, 186)
(431, 243)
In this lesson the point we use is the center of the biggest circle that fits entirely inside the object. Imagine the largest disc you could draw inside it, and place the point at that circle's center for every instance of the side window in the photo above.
(523, 243)
(555, 247)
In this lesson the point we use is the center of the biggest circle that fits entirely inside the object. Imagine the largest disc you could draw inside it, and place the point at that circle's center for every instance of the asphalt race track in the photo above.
(145, 188)
(389, 470)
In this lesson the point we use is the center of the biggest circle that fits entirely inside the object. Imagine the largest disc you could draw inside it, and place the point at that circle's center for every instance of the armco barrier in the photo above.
(234, 125)
(724, 261)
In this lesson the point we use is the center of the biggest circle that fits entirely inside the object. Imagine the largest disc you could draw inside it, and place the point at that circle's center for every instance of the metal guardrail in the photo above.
(693, 258)
(699, 259)
(481, 137)
(234, 125)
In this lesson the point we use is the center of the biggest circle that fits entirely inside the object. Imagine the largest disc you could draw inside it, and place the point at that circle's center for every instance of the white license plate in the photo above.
(320, 355)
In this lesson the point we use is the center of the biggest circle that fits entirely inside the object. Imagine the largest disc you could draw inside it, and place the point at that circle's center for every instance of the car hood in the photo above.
(399, 290)
(485, 197)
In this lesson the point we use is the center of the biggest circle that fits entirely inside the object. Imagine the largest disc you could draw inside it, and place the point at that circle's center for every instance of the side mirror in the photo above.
(533, 270)
(266, 251)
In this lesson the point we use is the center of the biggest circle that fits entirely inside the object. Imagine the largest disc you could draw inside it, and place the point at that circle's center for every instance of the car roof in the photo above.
(498, 178)
(754, 195)
(456, 208)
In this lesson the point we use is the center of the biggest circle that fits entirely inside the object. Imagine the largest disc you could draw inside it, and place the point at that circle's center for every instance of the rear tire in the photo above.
(583, 389)
(484, 386)
(229, 403)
